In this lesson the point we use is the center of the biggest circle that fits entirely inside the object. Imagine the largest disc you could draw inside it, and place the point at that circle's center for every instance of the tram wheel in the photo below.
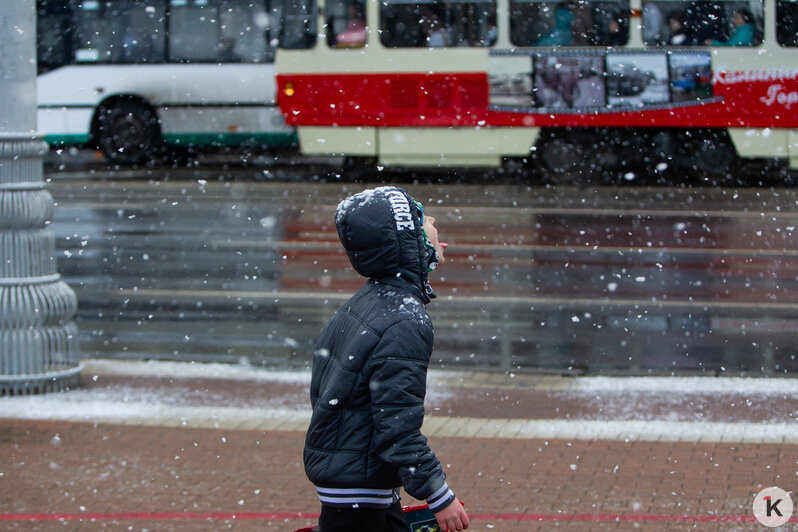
(127, 132)
(569, 161)
(358, 169)
(715, 156)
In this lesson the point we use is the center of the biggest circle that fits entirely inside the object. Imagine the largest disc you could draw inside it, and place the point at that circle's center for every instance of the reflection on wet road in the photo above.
(628, 280)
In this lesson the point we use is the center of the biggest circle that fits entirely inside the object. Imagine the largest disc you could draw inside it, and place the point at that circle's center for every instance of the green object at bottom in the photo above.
(422, 520)
(194, 139)
(230, 139)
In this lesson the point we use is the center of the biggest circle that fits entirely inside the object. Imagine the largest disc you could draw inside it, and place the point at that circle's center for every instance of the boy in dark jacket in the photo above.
(369, 375)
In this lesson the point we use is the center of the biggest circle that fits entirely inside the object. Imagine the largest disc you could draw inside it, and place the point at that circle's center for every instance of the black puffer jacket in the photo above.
(370, 365)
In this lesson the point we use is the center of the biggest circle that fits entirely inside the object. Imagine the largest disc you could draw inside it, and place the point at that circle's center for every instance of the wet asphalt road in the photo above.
(243, 265)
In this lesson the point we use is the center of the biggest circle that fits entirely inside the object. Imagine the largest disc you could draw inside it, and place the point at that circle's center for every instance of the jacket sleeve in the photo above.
(397, 382)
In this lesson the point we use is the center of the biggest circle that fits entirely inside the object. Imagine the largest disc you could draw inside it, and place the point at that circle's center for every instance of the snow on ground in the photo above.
(157, 403)
(648, 385)
(192, 370)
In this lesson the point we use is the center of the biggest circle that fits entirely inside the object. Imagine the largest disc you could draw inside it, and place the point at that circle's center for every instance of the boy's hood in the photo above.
(381, 232)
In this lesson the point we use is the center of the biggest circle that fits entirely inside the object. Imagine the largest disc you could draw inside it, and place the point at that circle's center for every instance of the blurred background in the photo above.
(617, 197)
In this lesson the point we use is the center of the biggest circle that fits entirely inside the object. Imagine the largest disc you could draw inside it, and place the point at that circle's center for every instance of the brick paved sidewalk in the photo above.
(185, 447)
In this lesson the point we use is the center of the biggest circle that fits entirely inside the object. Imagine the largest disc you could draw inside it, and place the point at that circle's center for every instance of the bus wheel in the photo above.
(127, 132)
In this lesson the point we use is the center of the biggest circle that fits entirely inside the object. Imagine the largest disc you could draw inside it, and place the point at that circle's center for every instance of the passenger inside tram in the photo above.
(572, 23)
(436, 24)
(584, 29)
(346, 24)
(437, 36)
(560, 34)
(678, 34)
(617, 35)
(744, 33)
(700, 22)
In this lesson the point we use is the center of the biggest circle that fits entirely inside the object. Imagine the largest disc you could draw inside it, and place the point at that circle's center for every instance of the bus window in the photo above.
(54, 33)
(221, 31)
(787, 22)
(298, 24)
(703, 23)
(569, 23)
(346, 23)
(419, 23)
(114, 31)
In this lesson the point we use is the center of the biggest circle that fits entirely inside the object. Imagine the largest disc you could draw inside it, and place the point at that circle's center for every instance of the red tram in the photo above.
(578, 86)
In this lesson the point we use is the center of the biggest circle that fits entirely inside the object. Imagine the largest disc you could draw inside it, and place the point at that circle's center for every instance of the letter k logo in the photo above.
(772, 506)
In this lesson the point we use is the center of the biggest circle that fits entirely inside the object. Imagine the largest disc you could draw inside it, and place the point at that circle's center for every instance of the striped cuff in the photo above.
(357, 497)
(441, 498)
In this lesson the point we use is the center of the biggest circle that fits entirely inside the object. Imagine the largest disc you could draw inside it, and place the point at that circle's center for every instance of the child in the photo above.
(369, 375)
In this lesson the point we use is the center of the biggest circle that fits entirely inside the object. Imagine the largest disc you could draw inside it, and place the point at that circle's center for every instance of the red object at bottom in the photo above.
(419, 519)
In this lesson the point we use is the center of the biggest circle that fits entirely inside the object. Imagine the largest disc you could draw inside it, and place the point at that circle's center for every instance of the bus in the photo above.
(131, 76)
(576, 87)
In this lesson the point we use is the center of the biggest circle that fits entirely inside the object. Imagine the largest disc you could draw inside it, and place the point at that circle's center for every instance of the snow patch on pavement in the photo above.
(149, 405)
(192, 370)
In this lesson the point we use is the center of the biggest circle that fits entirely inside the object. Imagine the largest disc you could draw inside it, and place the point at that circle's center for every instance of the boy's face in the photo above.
(432, 235)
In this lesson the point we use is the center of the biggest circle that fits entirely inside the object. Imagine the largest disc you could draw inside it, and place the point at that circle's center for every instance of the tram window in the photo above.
(298, 24)
(569, 23)
(345, 22)
(426, 23)
(220, 31)
(787, 22)
(655, 24)
(703, 23)
(113, 31)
